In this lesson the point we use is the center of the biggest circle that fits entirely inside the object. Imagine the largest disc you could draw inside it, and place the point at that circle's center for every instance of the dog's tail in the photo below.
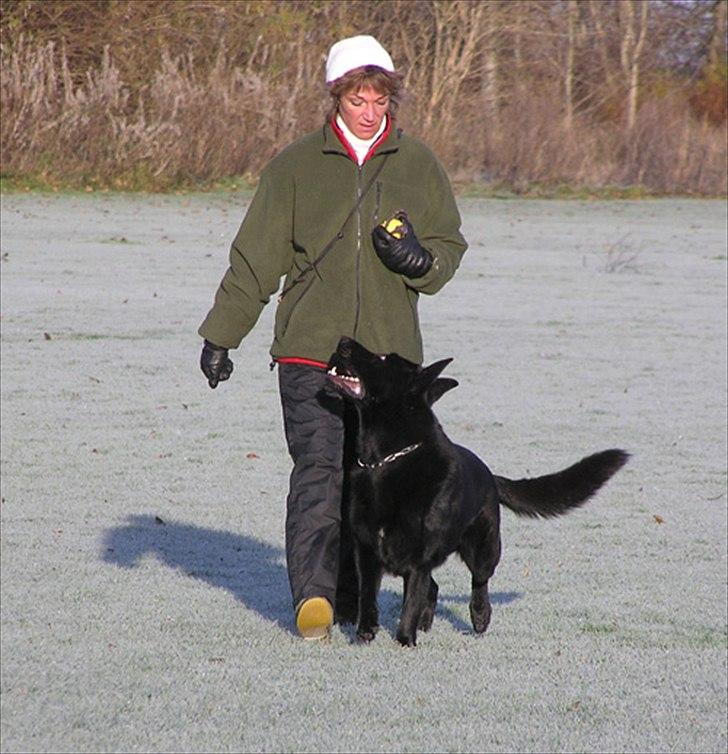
(556, 494)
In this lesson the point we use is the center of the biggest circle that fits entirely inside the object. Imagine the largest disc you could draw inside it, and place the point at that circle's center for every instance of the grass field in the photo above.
(145, 605)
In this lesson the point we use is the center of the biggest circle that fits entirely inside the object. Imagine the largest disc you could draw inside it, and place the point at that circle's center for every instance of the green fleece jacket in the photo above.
(302, 201)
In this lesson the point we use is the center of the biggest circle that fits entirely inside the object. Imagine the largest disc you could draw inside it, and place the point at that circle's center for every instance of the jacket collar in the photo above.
(388, 142)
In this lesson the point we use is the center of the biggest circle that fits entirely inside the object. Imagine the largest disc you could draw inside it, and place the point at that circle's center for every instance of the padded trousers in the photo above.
(319, 553)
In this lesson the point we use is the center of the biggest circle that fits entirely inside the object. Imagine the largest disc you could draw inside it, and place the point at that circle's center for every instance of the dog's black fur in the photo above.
(415, 497)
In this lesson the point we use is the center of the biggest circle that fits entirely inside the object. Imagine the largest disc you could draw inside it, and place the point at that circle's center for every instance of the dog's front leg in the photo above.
(428, 614)
(369, 570)
(415, 601)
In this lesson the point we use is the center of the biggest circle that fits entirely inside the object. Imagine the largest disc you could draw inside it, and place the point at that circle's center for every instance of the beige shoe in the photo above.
(314, 618)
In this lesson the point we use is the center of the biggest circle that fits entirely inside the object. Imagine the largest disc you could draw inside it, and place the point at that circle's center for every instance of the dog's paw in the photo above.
(367, 633)
(407, 640)
(480, 618)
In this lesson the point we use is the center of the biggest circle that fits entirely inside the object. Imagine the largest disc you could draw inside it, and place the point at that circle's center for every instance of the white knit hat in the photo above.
(354, 52)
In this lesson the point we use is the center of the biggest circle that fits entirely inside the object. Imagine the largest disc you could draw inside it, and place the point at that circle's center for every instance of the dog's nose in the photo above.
(344, 348)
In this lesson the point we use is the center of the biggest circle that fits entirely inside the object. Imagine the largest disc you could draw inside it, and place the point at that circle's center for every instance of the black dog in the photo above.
(415, 497)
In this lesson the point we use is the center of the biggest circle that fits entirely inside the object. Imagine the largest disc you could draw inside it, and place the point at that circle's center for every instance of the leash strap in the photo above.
(340, 234)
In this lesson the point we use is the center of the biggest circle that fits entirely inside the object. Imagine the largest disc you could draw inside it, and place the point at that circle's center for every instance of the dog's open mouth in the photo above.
(345, 381)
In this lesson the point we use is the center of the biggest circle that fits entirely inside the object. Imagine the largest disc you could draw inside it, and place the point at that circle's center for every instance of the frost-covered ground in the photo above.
(145, 605)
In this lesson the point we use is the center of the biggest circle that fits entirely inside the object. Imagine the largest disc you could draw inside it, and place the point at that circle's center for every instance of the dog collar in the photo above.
(388, 459)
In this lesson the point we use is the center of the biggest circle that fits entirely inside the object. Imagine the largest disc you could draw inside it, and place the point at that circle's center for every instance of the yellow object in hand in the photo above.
(393, 227)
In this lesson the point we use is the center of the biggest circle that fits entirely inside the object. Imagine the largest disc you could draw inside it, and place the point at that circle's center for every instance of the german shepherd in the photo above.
(415, 497)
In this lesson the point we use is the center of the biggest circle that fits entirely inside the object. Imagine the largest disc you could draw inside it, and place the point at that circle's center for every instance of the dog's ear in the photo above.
(427, 376)
(439, 387)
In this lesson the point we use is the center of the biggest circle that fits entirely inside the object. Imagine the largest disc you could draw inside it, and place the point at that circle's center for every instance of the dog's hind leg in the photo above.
(480, 608)
(480, 548)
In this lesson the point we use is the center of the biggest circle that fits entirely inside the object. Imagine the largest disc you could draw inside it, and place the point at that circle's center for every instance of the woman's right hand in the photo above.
(215, 364)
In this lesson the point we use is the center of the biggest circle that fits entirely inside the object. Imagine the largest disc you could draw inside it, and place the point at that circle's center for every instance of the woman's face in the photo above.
(363, 111)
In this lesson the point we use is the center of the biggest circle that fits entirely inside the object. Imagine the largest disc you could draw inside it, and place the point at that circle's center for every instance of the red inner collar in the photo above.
(350, 150)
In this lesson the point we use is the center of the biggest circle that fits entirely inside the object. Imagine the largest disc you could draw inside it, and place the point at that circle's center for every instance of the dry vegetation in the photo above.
(162, 93)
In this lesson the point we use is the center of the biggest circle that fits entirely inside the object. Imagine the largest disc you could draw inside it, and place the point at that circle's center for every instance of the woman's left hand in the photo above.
(401, 253)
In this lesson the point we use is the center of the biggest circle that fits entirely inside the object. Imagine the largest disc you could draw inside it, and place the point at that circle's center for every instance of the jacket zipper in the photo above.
(358, 250)
(339, 236)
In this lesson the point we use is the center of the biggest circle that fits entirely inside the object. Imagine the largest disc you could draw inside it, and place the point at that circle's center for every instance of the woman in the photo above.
(316, 219)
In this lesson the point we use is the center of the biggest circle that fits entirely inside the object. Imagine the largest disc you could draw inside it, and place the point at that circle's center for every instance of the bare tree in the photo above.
(491, 62)
(572, 16)
(719, 33)
(634, 34)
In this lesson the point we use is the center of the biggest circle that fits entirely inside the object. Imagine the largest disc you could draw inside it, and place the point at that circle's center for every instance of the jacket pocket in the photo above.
(288, 306)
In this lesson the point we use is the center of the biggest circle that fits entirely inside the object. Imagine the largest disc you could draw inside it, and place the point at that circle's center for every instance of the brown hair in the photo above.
(377, 78)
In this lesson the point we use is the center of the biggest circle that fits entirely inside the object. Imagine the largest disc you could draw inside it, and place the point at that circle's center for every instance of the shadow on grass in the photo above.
(253, 571)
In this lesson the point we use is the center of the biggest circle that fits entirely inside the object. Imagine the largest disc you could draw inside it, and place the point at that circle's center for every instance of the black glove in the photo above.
(215, 363)
(403, 255)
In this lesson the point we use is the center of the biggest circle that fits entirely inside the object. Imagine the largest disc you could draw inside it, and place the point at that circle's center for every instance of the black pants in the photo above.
(318, 549)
